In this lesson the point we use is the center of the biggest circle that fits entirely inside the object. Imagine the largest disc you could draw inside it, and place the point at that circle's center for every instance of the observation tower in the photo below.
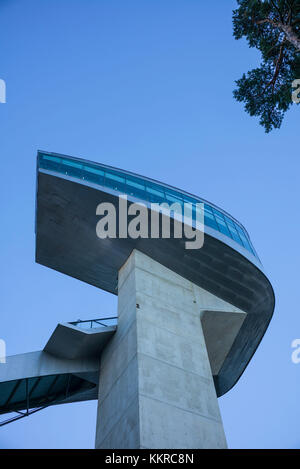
(188, 322)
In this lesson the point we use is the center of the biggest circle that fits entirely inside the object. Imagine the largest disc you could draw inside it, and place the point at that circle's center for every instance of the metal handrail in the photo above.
(91, 321)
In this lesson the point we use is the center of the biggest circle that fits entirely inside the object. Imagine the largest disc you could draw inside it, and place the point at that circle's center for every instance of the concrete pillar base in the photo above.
(156, 387)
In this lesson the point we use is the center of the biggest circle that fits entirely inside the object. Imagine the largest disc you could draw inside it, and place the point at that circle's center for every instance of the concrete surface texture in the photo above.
(71, 342)
(156, 387)
(37, 364)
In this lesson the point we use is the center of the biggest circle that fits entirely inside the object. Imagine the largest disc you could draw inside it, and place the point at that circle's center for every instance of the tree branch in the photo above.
(278, 65)
(278, 10)
(290, 35)
(277, 70)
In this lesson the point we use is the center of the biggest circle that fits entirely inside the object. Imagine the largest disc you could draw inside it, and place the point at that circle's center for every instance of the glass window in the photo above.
(93, 174)
(137, 193)
(245, 241)
(221, 223)
(233, 232)
(154, 195)
(239, 229)
(209, 219)
(229, 221)
(217, 213)
(115, 185)
(135, 183)
(172, 198)
(155, 191)
(114, 177)
(115, 181)
(71, 170)
(50, 162)
(61, 385)
(207, 208)
(72, 163)
(51, 158)
(91, 169)
(223, 228)
(91, 177)
(6, 390)
(190, 200)
(20, 393)
(42, 387)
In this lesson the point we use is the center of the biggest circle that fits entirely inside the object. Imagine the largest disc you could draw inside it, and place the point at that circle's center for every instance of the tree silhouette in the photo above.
(272, 27)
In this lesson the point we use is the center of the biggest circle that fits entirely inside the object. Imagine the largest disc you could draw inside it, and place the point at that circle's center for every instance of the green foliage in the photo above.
(272, 27)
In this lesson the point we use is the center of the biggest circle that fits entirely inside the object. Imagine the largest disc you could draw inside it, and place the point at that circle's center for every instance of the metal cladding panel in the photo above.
(66, 241)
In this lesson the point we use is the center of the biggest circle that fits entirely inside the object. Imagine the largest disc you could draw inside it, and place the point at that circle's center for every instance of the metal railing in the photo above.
(95, 323)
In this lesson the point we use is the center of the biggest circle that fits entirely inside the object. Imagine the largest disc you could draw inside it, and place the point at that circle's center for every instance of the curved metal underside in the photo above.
(66, 241)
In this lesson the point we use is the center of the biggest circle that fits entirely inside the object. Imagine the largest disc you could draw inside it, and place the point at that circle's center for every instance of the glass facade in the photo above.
(145, 190)
(39, 391)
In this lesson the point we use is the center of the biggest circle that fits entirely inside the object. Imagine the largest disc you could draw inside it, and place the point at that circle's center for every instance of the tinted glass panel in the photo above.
(114, 177)
(134, 183)
(145, 190)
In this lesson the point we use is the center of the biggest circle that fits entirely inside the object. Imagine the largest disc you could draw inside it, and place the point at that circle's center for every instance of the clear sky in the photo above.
(144, 85)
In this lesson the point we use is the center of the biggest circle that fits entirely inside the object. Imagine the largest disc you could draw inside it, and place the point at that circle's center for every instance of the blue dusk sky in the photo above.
(144, 85)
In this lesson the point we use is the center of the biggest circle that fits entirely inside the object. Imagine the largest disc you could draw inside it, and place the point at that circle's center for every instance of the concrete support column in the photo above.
(156, 388)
